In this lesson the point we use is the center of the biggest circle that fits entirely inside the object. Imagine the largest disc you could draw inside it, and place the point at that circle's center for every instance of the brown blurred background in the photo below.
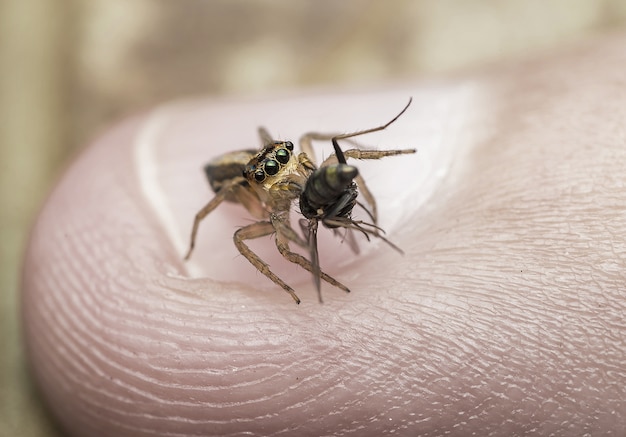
(68, 68)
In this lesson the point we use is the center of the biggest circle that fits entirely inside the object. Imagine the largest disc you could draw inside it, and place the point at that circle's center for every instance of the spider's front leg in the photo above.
(376, 154)
(371, 154)
(265, 136)
(282, 243)
(228, 188)
(340, 157)
(366, 154)
(257, 230)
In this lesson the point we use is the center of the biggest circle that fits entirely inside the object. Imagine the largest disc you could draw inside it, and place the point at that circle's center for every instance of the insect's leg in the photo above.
(366, 229)
(367, 211)
(256, 230)
(282, 243)
(214, 203)
(265, 136)
(369, 198)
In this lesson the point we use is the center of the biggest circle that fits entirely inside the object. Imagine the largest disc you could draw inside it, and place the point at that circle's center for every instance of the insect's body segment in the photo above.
(330, 192)
(267, 182)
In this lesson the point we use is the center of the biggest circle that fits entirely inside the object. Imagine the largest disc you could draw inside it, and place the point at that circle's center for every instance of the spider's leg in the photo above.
(307, 139)
(371, 130)
(306, 143)
(256, 230)
(282, 243)
(309, 229)
(375, 154)
(283, 227)
(214, 203)
(265, 136)
(372, 154)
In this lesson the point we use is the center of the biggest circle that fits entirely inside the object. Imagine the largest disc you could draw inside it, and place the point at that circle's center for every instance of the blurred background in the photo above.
(69, 68)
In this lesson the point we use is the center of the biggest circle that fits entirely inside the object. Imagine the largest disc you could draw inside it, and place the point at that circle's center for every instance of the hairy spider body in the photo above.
(277, 175)
(224, 174)
(226, 167)
(267, 182)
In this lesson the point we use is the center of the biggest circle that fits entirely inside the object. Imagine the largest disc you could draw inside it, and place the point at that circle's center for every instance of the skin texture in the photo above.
(504, 317)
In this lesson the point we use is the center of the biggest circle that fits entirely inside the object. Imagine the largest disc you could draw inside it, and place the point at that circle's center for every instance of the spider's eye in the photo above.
(271, 167)
(282, 156)
(259, 176)
(289, 145)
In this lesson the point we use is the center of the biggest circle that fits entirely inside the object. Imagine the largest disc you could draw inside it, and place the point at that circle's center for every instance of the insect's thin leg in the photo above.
(256, 230)
(282, 243)
(200, 215)
(360, 226)
(369, 198)
(368, 212)
(348, 237)
(265, 136)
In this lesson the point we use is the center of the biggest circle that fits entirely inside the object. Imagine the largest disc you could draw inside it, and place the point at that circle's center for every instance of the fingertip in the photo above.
(125, 337)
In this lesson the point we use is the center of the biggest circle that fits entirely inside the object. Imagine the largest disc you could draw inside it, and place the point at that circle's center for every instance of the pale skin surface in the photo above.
(505, 316)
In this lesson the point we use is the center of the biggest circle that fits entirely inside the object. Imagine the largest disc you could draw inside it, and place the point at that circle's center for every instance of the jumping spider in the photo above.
(268, 181)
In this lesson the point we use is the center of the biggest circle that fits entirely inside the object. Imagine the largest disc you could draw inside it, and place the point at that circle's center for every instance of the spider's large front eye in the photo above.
(259, 175)
(282, 156)
(271, 167)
